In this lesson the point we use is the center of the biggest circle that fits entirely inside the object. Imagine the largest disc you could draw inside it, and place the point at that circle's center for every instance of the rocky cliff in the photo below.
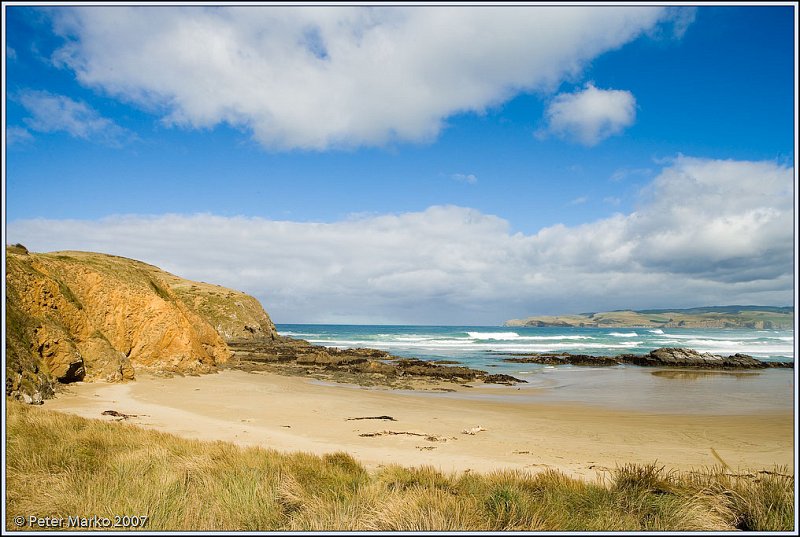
(87, 316)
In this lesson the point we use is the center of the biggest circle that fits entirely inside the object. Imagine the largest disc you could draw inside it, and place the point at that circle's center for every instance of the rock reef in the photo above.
(663, 357)
(359, 365)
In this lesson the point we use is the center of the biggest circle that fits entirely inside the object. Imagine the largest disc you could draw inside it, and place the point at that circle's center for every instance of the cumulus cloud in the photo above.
(729, 213)
(57, 113)
(314, 78)
(589, 116)
(706, 232)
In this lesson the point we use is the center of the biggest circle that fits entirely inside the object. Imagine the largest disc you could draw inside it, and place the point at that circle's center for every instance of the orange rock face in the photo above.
(87, 316)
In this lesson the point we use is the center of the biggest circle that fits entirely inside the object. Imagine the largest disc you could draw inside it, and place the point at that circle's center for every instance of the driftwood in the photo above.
(428, 437)
(388, 418)
(118, 415)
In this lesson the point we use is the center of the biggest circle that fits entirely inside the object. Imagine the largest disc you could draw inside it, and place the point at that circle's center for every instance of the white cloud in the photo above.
(469, 178)
(731, 214)
(56, 113)
(707, 232)
(589, 116)
(679, 20)
(623, 174)
(314, 78)
(17, 135)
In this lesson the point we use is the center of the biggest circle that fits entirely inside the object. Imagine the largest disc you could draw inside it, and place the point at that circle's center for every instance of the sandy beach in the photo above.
(299, 414)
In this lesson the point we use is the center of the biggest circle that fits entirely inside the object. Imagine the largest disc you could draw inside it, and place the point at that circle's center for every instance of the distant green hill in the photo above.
(756, 317)
(725, 309)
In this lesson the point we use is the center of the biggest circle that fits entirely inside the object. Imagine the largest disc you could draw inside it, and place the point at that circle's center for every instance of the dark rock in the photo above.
(565, 359)
(361, 352)
(421, 368)
(508, 380)
(290, 353)
(323, 357)
(787, 365)
(373, 367)
(690, 358)
(663, 357)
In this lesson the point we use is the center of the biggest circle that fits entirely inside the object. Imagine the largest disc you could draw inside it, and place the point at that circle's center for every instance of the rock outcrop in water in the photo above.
(84, 316)
(664, 357)
(359, 365)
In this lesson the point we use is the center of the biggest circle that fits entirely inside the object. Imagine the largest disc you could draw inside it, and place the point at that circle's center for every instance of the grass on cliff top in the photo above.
(634, 319)
(60, 466)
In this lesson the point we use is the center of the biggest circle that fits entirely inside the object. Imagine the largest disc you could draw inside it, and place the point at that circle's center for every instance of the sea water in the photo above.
(480, 345)
(623, 386)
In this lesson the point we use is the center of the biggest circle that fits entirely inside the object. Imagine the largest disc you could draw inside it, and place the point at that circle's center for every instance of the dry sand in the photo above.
(298, 414)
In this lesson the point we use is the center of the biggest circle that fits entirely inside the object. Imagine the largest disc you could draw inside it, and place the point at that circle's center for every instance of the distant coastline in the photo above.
(752, 317)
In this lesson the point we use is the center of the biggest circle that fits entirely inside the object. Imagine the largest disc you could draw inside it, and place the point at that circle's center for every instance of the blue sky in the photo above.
(451, 165)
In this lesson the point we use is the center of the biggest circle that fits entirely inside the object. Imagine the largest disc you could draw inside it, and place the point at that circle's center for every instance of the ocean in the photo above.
(623, 386)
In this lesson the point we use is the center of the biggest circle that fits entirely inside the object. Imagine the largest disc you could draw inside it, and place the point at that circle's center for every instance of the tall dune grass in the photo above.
(60, 466)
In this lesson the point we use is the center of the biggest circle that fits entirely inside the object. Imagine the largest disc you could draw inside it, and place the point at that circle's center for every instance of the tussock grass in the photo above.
(61, 465)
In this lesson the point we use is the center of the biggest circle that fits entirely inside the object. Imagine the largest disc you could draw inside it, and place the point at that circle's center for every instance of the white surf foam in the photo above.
(624, 334)
(493, 335)
(513, 336)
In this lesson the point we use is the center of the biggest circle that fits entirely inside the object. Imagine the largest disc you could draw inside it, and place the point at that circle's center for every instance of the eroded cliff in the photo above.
(87, 316)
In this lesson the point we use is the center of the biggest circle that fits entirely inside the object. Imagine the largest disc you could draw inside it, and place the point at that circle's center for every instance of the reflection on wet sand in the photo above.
(695, 374)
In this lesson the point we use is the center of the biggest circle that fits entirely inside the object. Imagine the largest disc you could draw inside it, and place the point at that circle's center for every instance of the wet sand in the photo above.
(299, 414)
